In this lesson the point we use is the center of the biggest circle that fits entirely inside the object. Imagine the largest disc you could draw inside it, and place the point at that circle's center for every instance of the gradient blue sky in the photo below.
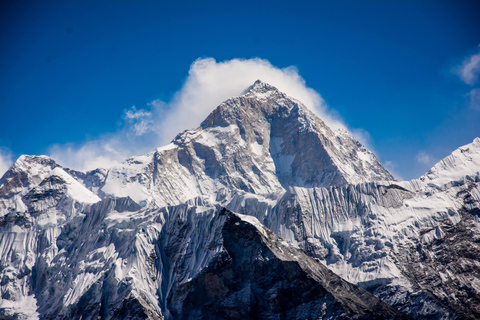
(70, 69)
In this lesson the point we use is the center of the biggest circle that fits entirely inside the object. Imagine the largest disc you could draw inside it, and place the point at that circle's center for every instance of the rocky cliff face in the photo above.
(146, 240)
(411, 243)
(256, 274)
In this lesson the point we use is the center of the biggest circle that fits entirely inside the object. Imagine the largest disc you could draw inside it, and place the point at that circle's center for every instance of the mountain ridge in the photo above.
(242, 144)
(121, 242)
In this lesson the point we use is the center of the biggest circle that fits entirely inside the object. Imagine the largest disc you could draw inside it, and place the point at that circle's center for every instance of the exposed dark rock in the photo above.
(259, 277)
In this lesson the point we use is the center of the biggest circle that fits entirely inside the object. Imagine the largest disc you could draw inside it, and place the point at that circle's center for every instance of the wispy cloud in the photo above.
(424, 158)
(392, 168)
(469, 70)
(137, 135)
(141, 121)
(5, 160)
(91, 154)
(207, 85)
(474, 98)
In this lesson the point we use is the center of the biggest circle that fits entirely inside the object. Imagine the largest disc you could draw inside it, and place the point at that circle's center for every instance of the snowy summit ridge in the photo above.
(261, 211)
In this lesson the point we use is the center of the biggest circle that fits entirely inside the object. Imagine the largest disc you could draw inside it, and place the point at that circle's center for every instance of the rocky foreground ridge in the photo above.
(261, 212)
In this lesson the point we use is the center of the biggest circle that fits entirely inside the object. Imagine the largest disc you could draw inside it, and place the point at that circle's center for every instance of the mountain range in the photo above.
(262, 212)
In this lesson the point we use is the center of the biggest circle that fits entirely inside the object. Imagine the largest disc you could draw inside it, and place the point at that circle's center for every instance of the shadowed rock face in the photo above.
(257, 276)
(447, 262)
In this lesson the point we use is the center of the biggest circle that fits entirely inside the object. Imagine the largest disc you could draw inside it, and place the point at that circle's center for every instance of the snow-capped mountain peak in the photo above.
(260, 142)
(261, 89)
(154, 238)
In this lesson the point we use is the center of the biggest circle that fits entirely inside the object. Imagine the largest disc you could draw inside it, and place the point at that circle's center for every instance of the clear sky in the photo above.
(402, 72)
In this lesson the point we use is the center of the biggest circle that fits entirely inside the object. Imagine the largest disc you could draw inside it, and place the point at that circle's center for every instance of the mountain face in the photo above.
(257, 275)
(261, 142)
(261, 212)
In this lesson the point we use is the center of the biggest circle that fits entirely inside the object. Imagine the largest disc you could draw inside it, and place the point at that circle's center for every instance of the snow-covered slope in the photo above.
(37, 198)
(145, 240)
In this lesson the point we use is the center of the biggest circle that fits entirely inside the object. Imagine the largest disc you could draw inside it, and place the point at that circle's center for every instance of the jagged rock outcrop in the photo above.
(257, 275)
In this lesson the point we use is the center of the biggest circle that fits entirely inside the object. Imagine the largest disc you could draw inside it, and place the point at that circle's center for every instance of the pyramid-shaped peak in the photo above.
(260, 87)
(25, 172)
(27, 161)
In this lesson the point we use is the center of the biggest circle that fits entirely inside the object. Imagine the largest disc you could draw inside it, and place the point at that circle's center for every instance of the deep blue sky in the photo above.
(69, 69)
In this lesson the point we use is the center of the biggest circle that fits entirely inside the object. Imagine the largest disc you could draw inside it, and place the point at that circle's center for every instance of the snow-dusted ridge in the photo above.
(133, 241)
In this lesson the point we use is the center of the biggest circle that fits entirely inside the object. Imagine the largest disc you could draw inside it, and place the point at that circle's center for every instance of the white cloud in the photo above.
(207, 85)
(470, 68)
(141, 121)
(90, 155)
(424, 158)
(133, 113)
(138, 134)
(474, 98)
(392, 168)
(5, 160)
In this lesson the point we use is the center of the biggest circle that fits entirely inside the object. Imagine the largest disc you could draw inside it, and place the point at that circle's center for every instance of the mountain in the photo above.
(261, 212)
(261, 142)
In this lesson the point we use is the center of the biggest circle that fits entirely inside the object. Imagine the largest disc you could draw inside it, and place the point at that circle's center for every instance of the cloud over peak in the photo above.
(207, 85)
(5, 160)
